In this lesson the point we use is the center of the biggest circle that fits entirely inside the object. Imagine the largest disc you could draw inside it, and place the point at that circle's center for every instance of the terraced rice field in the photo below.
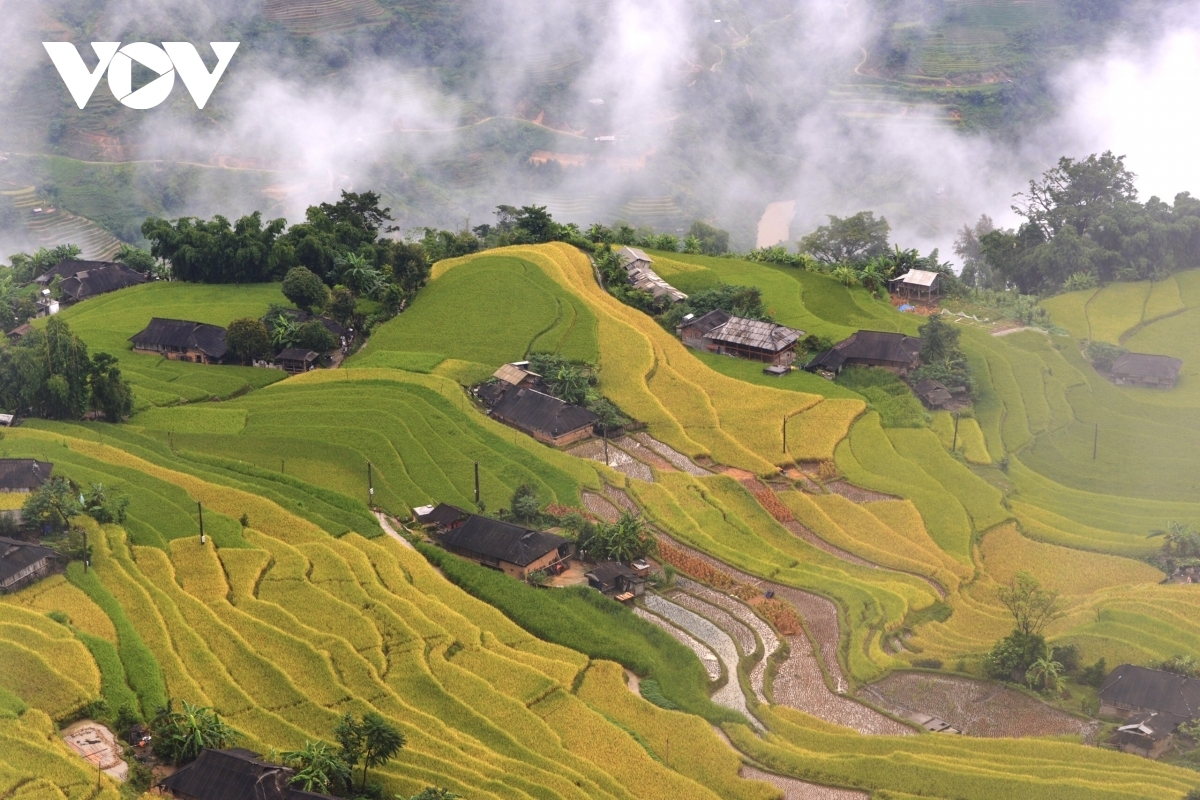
(309, 17)
(286, 632)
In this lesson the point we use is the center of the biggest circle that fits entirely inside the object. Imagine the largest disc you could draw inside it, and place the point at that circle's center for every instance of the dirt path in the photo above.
(794, 789)
(392, 532)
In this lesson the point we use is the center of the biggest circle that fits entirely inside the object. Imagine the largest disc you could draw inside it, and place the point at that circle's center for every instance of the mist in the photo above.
(657, 112)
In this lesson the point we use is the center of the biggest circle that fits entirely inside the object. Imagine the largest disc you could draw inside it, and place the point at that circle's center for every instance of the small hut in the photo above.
(1144, 369)
(917, 284)
(296, 360)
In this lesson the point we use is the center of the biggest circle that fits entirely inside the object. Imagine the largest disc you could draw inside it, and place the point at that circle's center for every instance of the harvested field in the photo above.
(743, 613)
(739, 632)
(708, 658)
(601, 506)
(677, 459)
(618, 459)
(620, 498)
(643, 453)
(977, 708)
(730, 695)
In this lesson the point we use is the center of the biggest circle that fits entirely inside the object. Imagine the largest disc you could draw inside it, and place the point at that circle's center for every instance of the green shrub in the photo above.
(887, 394)
(651, 691)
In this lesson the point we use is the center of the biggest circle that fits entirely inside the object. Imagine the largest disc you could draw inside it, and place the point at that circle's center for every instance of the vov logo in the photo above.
(172, 57)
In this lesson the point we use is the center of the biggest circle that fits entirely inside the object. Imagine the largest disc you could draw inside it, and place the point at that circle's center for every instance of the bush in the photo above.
(1095, 674)
(928, 663)
(651, 691)
(1013, 655)
(305, 289)
(1068, 656)
(1102, 354)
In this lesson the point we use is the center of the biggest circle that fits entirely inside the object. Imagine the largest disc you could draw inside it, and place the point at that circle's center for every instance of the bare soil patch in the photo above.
(794, 789)
(856, 494)
(96, 743)
(977, 708)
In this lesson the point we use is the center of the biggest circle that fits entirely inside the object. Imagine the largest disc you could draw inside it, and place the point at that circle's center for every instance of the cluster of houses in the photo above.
(642, 276)
(22, 563)
(72, 281)
(519, 551)
(201, 343)
(519, 398)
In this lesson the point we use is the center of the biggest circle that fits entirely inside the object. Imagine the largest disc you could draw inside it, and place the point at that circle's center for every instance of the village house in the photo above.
(517, 374)
(80, 280)
(20, 332)
(1146, 735)
(441, 517)
(512, 549)
(23, 563)
(720, 332)
(933, 394)
(1130, 690)
(234, 774)
(917, 284)
(642, 276)
(891, 351)
(296, 360)
(180, 340)
(543, 416)
(614, 579)
(1143, 369)
(23, 475)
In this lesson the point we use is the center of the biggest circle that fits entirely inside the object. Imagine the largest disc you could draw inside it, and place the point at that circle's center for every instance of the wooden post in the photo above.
(605, 429)
(200, 508)
(476, 483)
(1095, 441)
(785, 434)
(370, 487)
(281, 465)
(86, 556)
(954, 447)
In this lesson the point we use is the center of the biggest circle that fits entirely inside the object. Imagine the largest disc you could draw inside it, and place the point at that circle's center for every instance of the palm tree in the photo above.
(283, 332)
(1179, 540)
(1045, 673)
(846, 275)
(358, 274)
(873, 275)
(179, 736)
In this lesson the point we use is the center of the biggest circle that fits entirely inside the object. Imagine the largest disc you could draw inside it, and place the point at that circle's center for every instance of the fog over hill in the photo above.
(655, 111)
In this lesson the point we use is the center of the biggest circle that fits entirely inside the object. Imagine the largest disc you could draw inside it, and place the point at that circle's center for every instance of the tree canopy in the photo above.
(848, 240)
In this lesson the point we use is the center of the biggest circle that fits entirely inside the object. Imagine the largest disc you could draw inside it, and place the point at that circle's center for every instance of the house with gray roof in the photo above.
(642, 276)
(891, 351)
(23, 563)
(180, 340)
(1131, 690)
(512, 549)
(720, 332)
(917, 284)
(79, 280)
(1144, 369)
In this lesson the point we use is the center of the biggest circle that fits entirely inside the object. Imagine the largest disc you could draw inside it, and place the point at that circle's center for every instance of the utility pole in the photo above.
(87, 556)
(281, 465)
(200, 508)
(1095, 441)
(954, 447)
(476, 483)
(605, 429)
(785, 434)
(370, 487)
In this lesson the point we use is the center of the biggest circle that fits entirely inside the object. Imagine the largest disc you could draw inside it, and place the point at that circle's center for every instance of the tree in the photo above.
(248, 339)
(66, 390)
(845, 275)
(138, 259)
(373, 741)
(874, 275)
(341, 305)
(712, 240)
(976, 272)
(54, 503)
(434, 793)
(305, 289)
(1179, 540)
(215, 251)
(312, 335)
(104, 506)
(319, 768)
(848, 240)
(179, 736)
(27, 267)
(942, 359)
(111, 394)
(623, 540)
(1043, 675)
(525, 505)
(358, 274)
(1011, 657)
(692, 245)
(1032, 607)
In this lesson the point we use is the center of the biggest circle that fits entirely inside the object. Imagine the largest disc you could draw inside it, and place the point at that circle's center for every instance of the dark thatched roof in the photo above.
(1143, 689)
(235, 774)
(297, 354)
(932, 393)
(443, 515)
(895, 348)
(71, 267)
(16, 555)
(607, 572)
(20, 331)
(23, 474)
(533, 411)
(502, 540)
(84, 279)
(755, 333)
(208, 339)
(1143, 366)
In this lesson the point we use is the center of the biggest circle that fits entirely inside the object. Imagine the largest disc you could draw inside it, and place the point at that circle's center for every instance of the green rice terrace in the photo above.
(884, 552)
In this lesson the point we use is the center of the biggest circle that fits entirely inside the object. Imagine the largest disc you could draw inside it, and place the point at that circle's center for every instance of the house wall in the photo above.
(521, 572)
(570, 437)
(691, 337)
(194, 356)
(898, 367)
(1130, 380)
(33, 572)
(781, 358)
